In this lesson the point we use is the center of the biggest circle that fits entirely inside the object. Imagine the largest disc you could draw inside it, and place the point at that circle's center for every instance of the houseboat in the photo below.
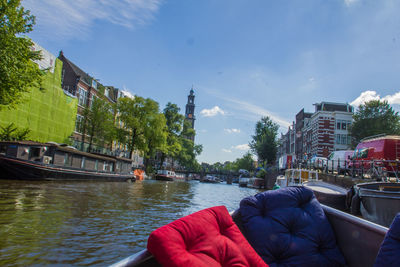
(28, 160)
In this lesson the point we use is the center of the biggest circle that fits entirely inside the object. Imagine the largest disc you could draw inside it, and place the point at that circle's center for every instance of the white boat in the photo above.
(166, 175)
(326, 193)
(210, 179)
(296, 177)
(244, 181)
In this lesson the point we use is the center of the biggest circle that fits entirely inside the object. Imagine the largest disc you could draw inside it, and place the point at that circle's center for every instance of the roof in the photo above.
(329, 106)
(78, 71)
(380, 137)
(65, 148)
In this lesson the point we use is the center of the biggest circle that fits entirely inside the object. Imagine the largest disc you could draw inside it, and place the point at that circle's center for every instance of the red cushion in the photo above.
(206, 238)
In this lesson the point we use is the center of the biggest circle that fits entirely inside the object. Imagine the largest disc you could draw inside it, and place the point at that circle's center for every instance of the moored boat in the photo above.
(328, 194)
(255, 182)
(210, 179)
(28, 160)
(243, 181)
(378, 202)
(167, 175)
(296, 177)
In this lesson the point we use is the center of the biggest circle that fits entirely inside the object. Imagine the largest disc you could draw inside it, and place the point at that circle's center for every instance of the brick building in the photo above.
(318, 133)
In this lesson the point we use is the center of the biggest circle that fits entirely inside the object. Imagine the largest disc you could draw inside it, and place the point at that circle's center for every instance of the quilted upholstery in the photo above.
(206, 238)
(389, 253)
(287, 227)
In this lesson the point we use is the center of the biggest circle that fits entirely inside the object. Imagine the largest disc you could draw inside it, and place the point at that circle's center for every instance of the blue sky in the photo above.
(245, 59)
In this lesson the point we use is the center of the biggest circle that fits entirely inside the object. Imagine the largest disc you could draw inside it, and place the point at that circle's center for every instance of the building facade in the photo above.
(330, 124)
(318, 133)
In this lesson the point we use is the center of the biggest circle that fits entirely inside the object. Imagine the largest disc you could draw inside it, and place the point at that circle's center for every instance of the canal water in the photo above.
(95, 223)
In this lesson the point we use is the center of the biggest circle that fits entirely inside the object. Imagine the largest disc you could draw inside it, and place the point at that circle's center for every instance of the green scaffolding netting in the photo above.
(50, 114)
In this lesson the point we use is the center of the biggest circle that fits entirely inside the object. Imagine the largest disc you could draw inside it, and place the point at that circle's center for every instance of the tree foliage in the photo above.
(189, 151)
(12, 133)
(246, 162)
(99, 122)
(156, 137)
(264, 143)
(174, 122)
(372, 118)
(18, 72)
(137, 115)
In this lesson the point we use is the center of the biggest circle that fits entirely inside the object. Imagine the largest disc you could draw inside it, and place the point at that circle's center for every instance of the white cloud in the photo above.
(350, 2)
(233, 130)
(127, 94)
(73, 19)
(259, 111)
(241, 147)
(393, 99)
(365, 97)
(373, 95)
(227, 150)
(212, 112)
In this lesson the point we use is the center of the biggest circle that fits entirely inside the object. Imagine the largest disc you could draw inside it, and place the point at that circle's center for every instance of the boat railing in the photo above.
(377, 169)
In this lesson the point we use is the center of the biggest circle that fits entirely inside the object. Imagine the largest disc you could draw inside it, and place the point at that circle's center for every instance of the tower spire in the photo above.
(189, 113)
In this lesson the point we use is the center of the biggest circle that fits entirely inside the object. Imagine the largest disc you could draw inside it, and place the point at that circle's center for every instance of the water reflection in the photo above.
(87, 223)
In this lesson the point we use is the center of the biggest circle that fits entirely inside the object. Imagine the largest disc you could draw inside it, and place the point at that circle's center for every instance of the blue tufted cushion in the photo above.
(287, 227)
(389, 253)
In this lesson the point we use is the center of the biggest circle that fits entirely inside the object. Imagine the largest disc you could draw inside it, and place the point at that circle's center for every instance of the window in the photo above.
(78, 123)
(363, 153)
(82, 96)
(83, 162)
(94, 84)
(68, 159)
(34, 152)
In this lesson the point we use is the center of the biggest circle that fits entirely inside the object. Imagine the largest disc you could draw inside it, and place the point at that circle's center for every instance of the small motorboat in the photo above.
(378, 202)
(328, 194)
(255, 182)
(244, 181)
(210, 179)
(359, 240)
(166, 175)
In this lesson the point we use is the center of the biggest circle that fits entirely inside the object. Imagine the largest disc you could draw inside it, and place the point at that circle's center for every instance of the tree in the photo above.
(264, 143)
(12, 133)
(189, 151)
(174, 127)
(18, 72)
(156, 137)
(372, 118)
(99, 122)
(246, 162)
(134, 115)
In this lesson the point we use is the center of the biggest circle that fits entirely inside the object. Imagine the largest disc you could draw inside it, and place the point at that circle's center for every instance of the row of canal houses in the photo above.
(317, 133)
(80, 84)
(55, 114)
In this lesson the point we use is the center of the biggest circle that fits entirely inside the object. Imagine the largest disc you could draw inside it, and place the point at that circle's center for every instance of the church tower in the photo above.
(189, 113)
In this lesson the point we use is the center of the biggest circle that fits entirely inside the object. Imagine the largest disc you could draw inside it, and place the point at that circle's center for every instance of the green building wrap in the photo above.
(50, 114)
